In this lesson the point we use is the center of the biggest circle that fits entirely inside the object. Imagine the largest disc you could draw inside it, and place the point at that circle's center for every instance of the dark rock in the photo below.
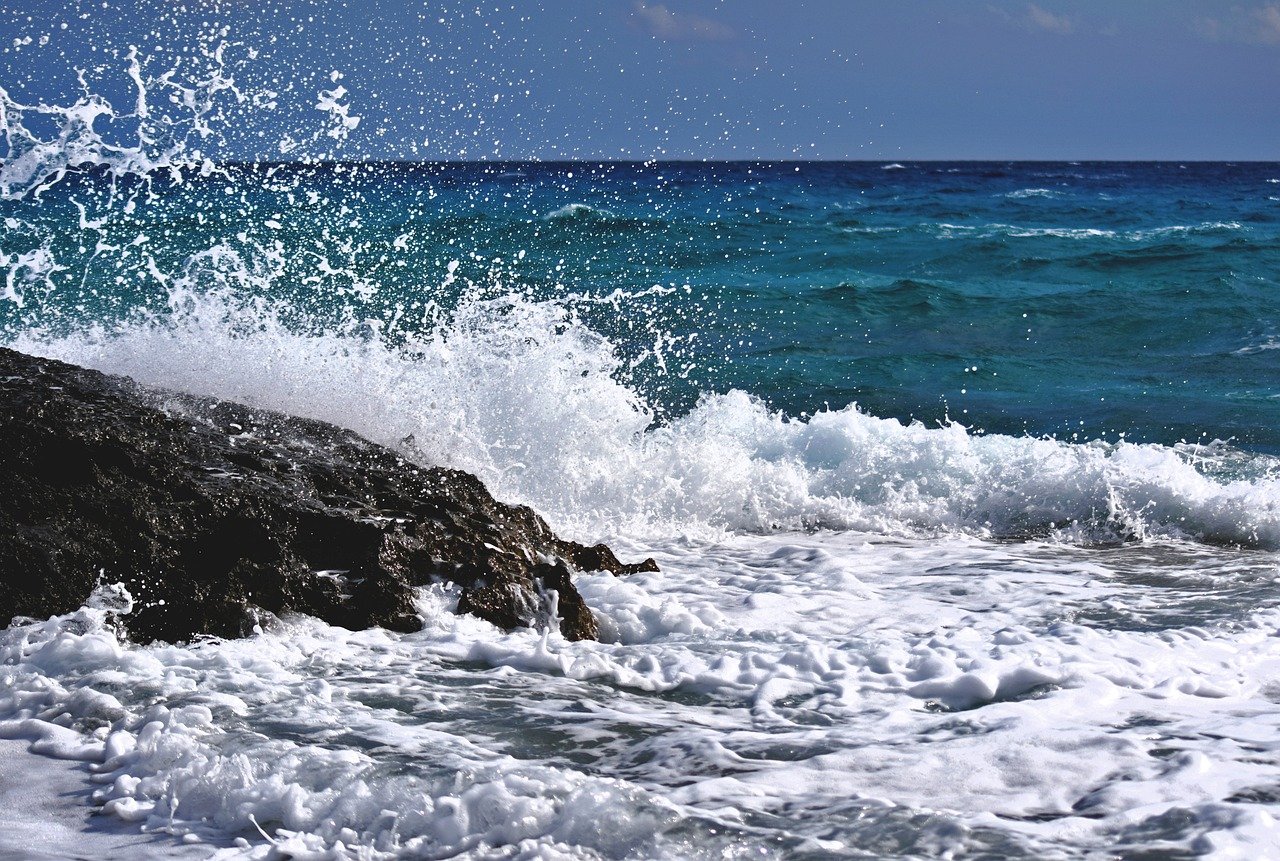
(210, 512)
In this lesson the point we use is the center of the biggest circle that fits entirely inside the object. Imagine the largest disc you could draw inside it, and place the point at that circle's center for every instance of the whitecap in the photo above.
(579, 211)
(1033, 192)
(1270, 342)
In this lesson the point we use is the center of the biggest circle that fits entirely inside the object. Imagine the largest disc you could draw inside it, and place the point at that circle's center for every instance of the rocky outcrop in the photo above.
(212, 512)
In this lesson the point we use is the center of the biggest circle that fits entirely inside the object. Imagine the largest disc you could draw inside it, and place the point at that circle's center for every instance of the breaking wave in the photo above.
(527, 397)
(580, 212)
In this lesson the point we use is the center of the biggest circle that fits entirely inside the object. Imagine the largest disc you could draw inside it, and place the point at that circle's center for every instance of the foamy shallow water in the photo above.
(868, 638)
(828, 695)
(995, 645)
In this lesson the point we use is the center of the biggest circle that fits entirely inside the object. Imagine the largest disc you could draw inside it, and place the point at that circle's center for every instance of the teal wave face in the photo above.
(1079, 300)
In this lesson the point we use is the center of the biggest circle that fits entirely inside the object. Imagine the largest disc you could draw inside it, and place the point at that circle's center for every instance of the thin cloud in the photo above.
(662, 23)
(1252, 26)
(1043, 19)
(1034, 18)
(1268, 18)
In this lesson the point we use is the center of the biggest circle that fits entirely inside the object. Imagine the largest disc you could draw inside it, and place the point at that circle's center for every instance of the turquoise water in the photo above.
(961, 478)
(1083, 301)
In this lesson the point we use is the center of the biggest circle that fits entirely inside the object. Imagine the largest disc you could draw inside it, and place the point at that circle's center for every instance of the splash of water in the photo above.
(526, 396)
(519, 390)
(172, 118)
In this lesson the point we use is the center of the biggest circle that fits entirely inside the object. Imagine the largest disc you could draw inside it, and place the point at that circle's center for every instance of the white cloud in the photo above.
(1268, 21)
(662, 23)
(1043, 19)
(1254, 26)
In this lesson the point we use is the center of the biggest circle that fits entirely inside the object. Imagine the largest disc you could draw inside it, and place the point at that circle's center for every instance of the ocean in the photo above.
(963, 480)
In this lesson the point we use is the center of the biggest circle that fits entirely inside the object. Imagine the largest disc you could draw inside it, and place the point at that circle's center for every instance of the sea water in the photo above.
(962, 479)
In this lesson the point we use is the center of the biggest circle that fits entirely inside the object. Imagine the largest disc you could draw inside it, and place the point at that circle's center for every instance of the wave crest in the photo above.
(580, 212)
(528, 398)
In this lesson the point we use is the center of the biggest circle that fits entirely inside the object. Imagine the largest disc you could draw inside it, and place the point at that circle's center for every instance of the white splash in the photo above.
(529, 399)
(173, 116)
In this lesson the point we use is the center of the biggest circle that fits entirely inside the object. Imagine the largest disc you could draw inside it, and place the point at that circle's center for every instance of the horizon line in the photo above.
(739, 161)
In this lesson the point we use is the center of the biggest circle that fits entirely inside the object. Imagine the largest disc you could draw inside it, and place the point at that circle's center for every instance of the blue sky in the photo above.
(694, 78)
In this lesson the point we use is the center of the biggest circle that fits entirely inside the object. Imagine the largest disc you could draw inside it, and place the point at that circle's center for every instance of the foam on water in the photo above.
(817, 695)
(525, 396)
(1023, 193)
(1085, 233)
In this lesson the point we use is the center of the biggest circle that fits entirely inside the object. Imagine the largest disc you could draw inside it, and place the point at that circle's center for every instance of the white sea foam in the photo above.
(997, 229)
(1024, 193)
(528, 399)
(1061, 232)
(845, 683)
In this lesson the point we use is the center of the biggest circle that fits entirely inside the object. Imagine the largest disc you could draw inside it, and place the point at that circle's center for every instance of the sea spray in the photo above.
(527, 398)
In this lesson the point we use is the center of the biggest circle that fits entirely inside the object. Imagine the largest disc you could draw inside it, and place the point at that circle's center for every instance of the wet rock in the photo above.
(211, 512)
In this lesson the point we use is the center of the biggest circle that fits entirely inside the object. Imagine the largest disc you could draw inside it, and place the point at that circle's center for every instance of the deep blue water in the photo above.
(1088, 300)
